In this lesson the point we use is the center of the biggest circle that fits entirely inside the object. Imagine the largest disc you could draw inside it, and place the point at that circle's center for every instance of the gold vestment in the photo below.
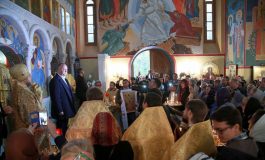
(5, 85)
(198, 138)
(150, 134)
(71, 81)
(24, 101)
(82, 123)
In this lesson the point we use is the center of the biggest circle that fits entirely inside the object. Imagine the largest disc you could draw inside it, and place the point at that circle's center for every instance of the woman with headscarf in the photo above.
(106, 134)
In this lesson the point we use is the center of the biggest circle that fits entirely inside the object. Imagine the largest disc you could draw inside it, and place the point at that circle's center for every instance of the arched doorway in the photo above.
(56, 50)
(152, 58)
(54, 66)
(11, 56)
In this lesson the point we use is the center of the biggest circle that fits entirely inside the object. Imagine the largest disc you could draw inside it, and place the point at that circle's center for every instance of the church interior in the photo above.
(113, 40)
(106, 42)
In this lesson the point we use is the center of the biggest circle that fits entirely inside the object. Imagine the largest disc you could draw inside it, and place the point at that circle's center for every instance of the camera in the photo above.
(40, 118)
(143, 86)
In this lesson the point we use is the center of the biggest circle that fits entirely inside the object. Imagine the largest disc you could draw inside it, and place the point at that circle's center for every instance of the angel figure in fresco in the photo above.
(156, 24)
(112, 40)
(237, 34)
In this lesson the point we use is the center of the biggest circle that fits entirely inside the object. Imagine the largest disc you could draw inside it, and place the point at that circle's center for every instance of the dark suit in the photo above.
(62, 101)
(81, 88)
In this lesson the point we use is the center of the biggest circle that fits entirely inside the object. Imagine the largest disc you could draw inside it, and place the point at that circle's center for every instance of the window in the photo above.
(209, 27)
(142, 63)
(90, 21)
(3, 59)
(62, 19)
(68, 22)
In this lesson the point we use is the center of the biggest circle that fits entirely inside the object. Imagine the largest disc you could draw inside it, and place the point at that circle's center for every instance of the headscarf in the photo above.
(21, 145)
(258, 131)
(106, 130)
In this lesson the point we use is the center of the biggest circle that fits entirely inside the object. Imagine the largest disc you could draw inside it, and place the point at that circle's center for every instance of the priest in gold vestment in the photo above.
(150, 134)
(25, 97)
(82, 123)
(198, 138)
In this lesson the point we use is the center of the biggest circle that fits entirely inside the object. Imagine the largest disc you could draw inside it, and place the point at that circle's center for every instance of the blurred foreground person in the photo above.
(227, 123)
(79, 149)
(82, 123)
(106, 134)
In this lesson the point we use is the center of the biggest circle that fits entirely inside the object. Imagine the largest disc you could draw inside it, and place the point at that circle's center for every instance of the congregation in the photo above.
(144, 118)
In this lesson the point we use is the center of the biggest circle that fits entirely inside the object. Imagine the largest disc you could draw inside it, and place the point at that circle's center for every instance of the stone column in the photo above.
(48, 58)
(31, 49)
(72, 61)
(103, 60)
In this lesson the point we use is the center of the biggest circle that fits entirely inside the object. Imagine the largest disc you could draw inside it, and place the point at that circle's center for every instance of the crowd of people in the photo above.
(217, 118)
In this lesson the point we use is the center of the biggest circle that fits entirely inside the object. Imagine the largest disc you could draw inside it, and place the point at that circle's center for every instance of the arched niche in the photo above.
(152, 58)
(54, 66)
(13, 34)
(58, 53)
(57, 50)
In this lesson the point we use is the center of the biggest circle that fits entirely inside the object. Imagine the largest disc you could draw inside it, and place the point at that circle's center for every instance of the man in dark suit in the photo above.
(62, 98)
(81, 86)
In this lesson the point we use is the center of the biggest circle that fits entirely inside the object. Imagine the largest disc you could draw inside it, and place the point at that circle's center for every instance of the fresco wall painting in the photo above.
(9, 36)
(235, 34)
(126, 26)
(47, 11)
(35, 8)
(38, 61)
(255, 32)
(55, 13)
(245, 30)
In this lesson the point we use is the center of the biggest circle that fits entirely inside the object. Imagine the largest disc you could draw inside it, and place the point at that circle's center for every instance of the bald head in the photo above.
(62, 69)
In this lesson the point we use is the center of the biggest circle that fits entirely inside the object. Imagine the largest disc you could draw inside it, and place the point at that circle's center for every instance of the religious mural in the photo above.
(235, 32)
(38, 61)
(55, 13)
(9, 36)
(24, 4)
(126, 26)
(255, 32)
(35, 8)
(47, 11)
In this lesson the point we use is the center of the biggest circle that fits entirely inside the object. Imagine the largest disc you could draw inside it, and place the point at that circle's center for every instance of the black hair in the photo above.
(153, 99)
(228, 114)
